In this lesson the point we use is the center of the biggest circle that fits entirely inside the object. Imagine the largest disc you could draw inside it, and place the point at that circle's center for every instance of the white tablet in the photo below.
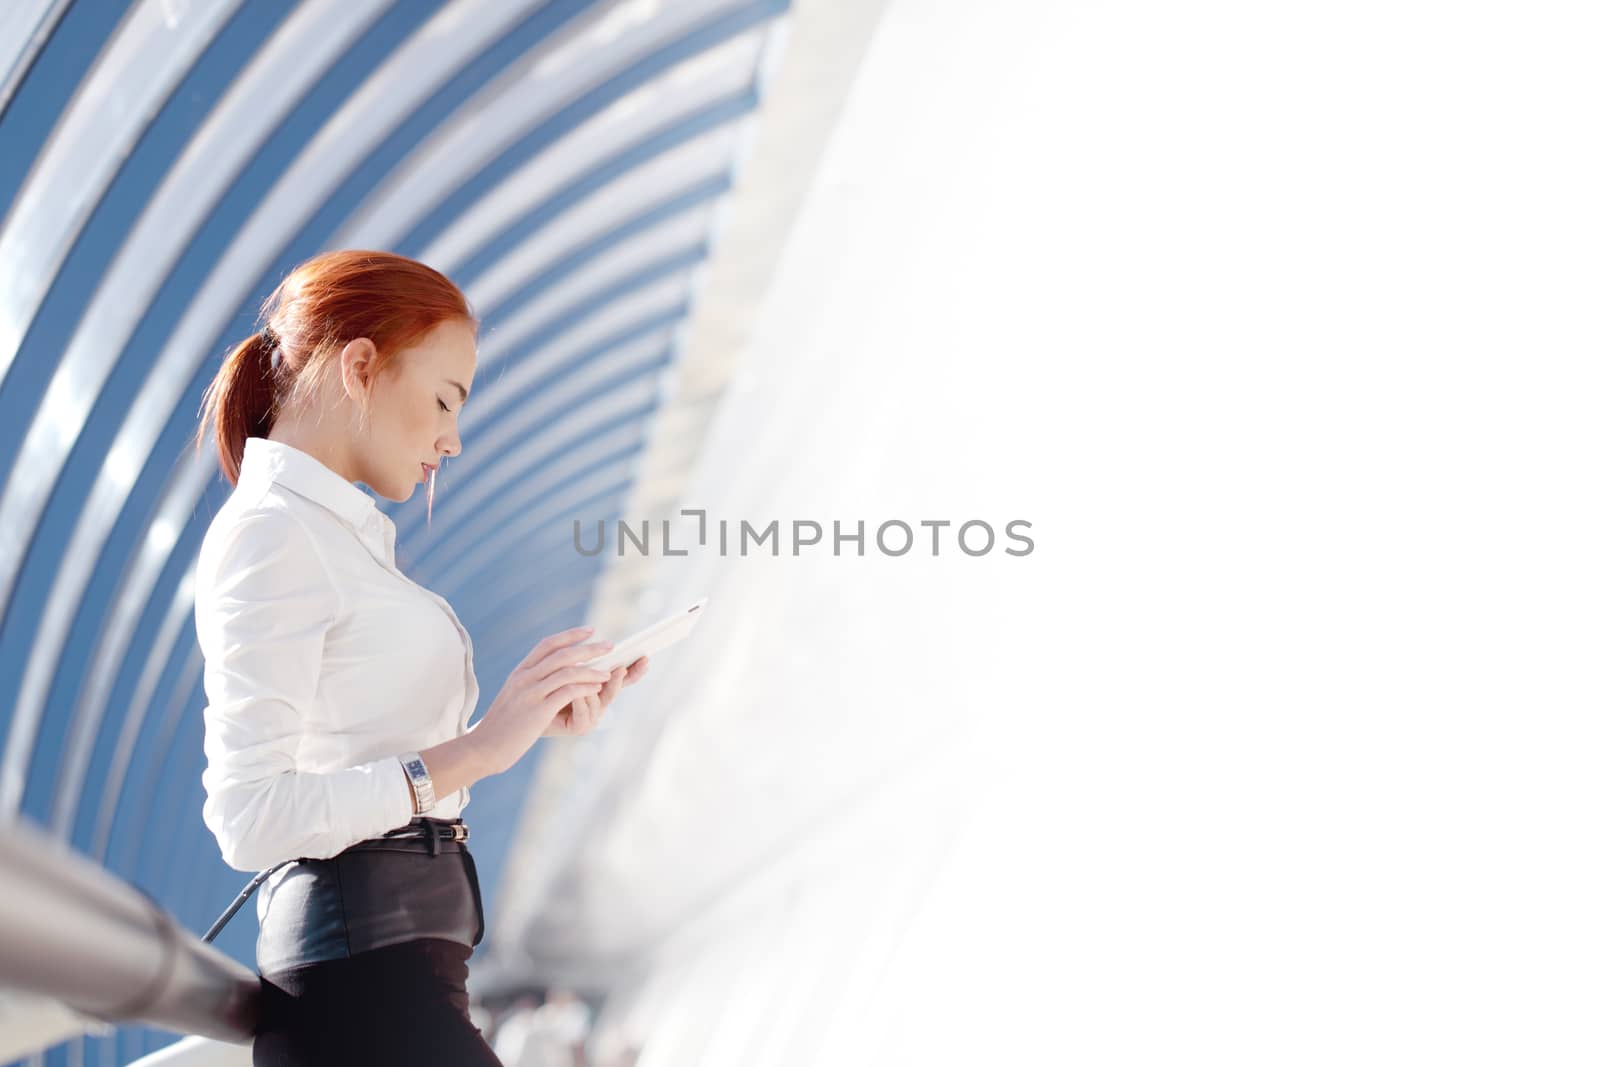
(652, 639)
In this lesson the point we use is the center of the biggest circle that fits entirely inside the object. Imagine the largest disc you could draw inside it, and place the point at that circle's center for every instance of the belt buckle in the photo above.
(434, 831)
(444, 831)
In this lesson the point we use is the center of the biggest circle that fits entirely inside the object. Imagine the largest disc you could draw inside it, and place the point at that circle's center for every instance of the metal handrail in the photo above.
(73, 931)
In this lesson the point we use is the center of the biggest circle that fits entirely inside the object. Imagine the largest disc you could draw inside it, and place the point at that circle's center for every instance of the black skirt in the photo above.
(397, 1005)
(375, 893)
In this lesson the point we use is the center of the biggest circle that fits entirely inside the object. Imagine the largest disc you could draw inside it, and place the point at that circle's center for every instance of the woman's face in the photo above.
(414, 410)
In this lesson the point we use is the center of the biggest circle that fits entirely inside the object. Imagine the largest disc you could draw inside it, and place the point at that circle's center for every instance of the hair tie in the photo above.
(270, 339)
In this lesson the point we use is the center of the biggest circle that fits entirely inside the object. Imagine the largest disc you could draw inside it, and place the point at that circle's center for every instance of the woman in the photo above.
(336, 738)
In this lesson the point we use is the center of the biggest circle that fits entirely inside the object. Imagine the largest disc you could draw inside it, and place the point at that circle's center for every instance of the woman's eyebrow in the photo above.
(460, 387)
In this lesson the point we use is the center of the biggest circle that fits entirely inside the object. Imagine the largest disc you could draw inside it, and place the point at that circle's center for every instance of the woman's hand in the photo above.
(543, 684)
(583, 714)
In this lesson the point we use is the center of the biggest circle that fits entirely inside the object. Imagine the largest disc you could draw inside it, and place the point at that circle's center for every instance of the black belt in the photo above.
(447, 835)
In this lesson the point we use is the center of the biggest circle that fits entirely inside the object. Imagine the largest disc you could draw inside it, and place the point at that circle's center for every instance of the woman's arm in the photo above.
(453, 765)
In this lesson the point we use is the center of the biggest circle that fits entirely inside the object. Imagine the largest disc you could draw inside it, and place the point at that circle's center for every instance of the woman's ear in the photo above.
(356, 361)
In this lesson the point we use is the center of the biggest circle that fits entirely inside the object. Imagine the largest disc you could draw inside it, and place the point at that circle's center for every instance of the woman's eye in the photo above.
(441, 405)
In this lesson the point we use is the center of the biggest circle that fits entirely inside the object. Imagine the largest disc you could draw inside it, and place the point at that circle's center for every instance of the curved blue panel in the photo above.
(109, 750)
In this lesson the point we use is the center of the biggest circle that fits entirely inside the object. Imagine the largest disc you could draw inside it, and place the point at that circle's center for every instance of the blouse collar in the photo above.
(305, 474)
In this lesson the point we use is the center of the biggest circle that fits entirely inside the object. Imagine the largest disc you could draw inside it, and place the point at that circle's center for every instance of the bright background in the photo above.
(1277, 323)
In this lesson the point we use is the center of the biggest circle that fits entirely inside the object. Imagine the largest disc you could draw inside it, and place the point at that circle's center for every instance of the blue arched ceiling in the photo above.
(163, 166)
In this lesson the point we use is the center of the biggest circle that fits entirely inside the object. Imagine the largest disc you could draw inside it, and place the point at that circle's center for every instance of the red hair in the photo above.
(324, 303)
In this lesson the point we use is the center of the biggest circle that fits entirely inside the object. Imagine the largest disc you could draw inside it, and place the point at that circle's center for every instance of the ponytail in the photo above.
(241, 401)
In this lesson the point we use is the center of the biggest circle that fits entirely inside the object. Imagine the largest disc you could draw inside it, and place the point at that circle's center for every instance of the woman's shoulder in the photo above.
(258, 525)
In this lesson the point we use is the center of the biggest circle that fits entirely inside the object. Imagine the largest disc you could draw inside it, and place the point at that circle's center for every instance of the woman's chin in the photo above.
(398, 493)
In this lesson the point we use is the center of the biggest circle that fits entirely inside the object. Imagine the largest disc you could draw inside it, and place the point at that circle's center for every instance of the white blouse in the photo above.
(323, 664)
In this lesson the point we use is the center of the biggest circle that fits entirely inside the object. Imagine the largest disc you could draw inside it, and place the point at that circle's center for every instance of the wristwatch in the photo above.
(421, 781)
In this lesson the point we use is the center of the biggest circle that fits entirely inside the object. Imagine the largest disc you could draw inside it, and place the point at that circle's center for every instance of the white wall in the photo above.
(1277, 323)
